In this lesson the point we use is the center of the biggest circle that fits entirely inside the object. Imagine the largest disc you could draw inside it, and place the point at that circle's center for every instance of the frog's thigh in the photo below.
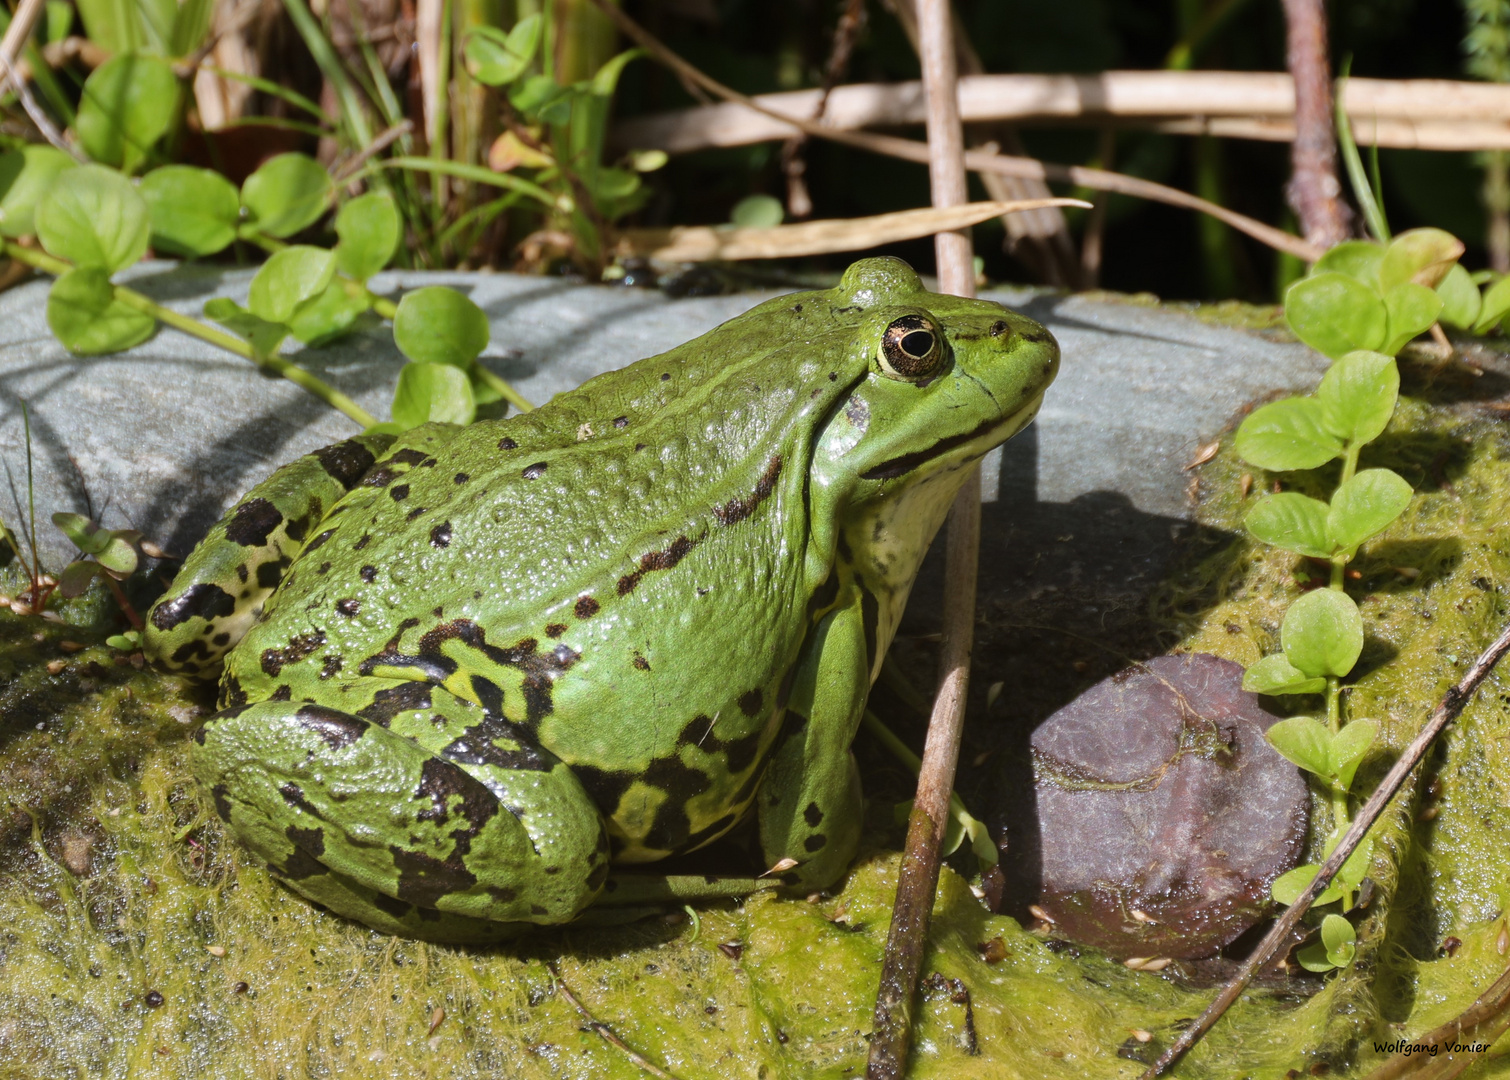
(480, 823)
(223, 584)
(809, 801)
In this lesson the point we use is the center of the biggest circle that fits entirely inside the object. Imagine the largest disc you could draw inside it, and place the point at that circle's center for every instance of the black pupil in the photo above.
(918, 343)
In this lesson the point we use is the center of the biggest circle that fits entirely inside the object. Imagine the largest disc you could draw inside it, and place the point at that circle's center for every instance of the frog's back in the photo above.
(617, 571)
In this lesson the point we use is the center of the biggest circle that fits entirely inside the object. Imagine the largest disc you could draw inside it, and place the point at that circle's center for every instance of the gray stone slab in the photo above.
(164, 437)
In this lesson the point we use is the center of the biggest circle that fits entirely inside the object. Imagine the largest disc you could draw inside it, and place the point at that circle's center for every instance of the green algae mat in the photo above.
(137, 939)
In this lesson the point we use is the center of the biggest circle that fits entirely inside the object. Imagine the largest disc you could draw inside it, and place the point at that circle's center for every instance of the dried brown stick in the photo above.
(1446, 712)
(975, 160)
(605, 1032)
(918, 879)
(1315, 189)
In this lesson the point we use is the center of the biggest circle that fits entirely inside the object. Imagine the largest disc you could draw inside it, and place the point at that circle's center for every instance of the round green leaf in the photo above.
(289, 278)
(369, 229)
(437, 325)
(1422, 256)
(1302, 741)
(1322, 633)
(129, 103)
(1494, 305)
(757, 212)
(76, 576)
(1356, 258)
(489, 59)
(1364, 506)
(119, 555)
(84, 533)
(1349, 747)
(288, 193)
(87, 318)
(1356, 868)
(431, 392)
(323, 318)
(1334, 313)
(1288, 434)
(95, 219)
(1293, 522)
(26, 175)
(1288, 886)
(1358, 395)
(193, 211)
(1276, 675)
(1411, 310)
(1460, 298)
(541, 98)
(264, 336)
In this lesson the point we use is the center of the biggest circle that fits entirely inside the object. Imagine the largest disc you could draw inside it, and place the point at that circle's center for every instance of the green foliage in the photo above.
(433, 392)
(757, 212)
(369, 230)
(194, 212)
(288, 279)
(1288, 434)
(129, 103)
(263, 336)
(26, 175)
(496, 58)
(287, 194)
(1322, 633)
(1336, 948)
(94, 218)
(82, 310)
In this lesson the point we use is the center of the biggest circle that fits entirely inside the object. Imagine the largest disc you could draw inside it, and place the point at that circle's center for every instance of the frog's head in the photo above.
(937, 382)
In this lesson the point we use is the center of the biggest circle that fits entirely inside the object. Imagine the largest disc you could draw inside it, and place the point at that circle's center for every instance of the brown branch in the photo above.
(1446, 712)
(975, 160)
(1314, 191)
(918, 880)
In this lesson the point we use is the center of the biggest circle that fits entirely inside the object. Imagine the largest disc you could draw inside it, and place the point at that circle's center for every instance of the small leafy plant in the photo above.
(1362, 303)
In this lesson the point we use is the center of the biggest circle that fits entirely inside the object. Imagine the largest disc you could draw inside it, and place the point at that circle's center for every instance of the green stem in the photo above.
(501, 385)
(903, 753)
(276, 364)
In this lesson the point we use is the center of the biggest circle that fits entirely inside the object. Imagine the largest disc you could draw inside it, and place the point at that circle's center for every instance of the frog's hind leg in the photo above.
(444, 808)
(223, 584)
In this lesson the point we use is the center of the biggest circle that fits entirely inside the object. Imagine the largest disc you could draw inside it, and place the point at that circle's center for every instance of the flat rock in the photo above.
(164, 437)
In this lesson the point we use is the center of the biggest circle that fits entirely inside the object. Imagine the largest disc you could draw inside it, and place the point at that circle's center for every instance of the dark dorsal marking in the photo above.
(386, 704)
(736, 510)
(252, 523)
(345, 462)
(201, 600)
(275, 660)
(336, 729)
(658, 560)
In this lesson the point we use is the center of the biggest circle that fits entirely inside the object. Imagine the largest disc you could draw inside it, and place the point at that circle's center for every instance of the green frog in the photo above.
(464, 670)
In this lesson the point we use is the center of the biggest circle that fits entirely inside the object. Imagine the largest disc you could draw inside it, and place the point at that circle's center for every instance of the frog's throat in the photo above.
(886, 540)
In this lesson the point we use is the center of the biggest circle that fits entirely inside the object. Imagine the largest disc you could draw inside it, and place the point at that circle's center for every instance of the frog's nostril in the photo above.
(999, 327)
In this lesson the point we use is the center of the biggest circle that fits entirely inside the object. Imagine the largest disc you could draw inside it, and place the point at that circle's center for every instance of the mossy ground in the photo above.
(117, 880)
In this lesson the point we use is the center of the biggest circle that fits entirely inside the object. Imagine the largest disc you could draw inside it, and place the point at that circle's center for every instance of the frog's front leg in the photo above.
(441, 808)
(809, 802)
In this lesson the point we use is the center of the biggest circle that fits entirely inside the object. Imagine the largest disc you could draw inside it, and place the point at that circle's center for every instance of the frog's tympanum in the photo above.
(464, 669)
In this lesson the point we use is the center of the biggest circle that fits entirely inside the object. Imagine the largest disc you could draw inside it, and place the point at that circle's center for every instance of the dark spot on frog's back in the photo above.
(423, 880)
(736, 510)
(275, 660)
(367, 573)
(336, 729)
(586, 607)
(202, 599)
(348, 607)
(252, 523)
(555, 629)
(812, 815)
(750, 701)
(345, 462)
(318, 541)
(998, 328)
(533, 471)
(399, 492)
(494, 741)
(440, 782)
(621, 421)
(507, 443)
(604, 786)
(440, 536)
(657, 560)
(309, 845)
(386, 704)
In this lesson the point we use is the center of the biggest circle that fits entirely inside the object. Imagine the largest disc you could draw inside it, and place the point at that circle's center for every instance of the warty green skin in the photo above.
(462, 670)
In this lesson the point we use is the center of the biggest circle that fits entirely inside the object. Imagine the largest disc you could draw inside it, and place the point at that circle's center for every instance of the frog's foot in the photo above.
(809, 819)
(483, 825)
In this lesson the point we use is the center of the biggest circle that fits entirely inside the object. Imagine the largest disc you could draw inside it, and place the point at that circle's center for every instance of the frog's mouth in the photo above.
(988, 433)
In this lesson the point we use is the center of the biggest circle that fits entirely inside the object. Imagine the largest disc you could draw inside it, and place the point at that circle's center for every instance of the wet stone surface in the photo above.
(1158, 816)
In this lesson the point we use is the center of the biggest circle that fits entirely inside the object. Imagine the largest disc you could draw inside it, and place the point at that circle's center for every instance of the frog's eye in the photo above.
(911, 348)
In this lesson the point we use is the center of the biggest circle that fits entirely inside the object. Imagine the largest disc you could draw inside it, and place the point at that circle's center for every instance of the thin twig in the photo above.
(1315, 190)
(371, 150)
(918, 880)
(1446, 712)
(15, 38)
(975, 160)
(604, 1031)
